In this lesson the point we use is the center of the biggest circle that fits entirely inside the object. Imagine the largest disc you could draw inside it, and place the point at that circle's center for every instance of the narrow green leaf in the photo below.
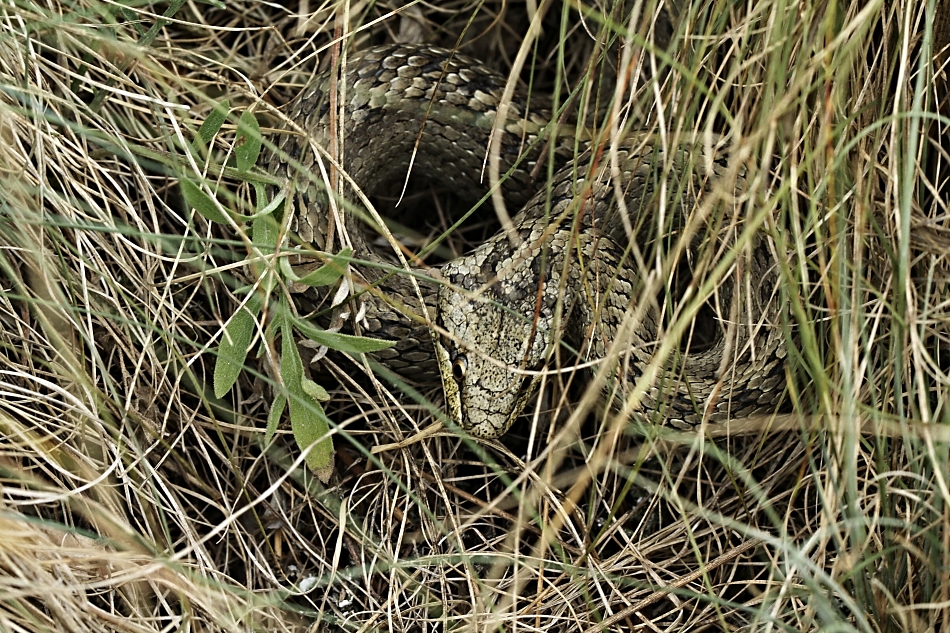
(213, 123)
(260, 196)
(330, 272)
(287, 270)
(201, 202)
(341, 342)
(309, 424)
(314, 390)
(248, 141)
(132, 18)
(264, 233)
(234, 345)
(265, 205)
(291, 367)
(274, 204)
(273, 418)
(307, 420)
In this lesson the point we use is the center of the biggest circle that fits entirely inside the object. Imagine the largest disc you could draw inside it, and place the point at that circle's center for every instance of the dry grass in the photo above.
(131, 498)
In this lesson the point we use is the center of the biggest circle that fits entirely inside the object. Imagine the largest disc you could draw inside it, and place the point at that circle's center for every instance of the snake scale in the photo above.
(569, 278)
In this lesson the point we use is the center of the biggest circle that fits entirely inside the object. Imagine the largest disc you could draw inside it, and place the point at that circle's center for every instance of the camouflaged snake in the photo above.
(583, 272)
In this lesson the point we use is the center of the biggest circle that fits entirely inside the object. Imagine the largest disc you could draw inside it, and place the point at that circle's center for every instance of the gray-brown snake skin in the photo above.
(571, 280)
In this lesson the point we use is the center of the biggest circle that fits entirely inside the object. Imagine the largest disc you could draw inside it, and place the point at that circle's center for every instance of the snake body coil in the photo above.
(585, 266)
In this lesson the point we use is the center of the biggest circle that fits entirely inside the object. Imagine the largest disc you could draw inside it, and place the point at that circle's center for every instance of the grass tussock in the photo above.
(132, 497)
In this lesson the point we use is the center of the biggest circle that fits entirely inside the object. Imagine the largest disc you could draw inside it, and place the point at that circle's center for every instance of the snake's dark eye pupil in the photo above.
(459, 367)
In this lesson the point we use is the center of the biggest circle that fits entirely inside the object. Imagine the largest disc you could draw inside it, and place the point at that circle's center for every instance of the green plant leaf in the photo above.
(264, 233)
(309, 424)
(274, 204)
(314, 390)
(201, 202)
(330, 272)
(247, 141)
(273, 418)
(213, 123)
(341, 342)
(266, 206)
(234, 345)
(307, 420)
(291, 367)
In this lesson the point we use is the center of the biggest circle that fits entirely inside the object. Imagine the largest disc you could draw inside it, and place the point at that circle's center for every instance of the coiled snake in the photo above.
(585, 266)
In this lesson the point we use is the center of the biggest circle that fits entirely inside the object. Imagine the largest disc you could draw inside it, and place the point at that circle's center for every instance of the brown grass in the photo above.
(131, 498)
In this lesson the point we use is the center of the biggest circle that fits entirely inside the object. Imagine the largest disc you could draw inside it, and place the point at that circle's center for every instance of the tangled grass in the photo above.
(132, 498)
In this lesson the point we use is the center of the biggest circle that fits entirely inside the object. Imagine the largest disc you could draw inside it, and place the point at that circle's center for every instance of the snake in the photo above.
(586, 269)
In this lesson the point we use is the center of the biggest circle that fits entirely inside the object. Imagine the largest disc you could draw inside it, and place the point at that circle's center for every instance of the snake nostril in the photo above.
(525, 383)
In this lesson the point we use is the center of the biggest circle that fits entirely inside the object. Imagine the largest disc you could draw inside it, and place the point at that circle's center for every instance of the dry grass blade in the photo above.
(132, 498)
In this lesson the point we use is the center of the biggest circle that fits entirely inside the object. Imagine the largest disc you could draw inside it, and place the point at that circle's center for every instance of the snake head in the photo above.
(496, 315)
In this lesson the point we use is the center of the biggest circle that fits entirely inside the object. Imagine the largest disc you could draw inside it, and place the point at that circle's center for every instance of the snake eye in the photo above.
(459, 367)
